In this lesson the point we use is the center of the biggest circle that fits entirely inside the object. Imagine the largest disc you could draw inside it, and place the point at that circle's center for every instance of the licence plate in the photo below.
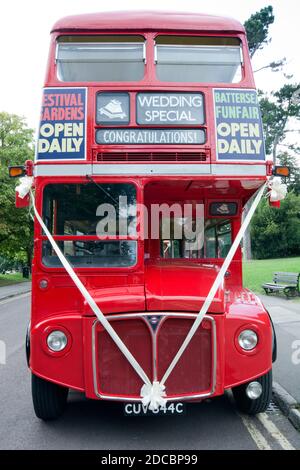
(138, 409)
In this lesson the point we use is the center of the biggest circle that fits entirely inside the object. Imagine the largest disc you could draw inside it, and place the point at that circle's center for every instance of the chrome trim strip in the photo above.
(150, 169)
(59, 169)
(153, 340)
(166, 315)
(238, 170)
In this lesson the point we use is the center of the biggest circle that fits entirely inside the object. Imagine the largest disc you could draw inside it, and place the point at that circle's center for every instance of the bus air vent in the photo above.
(151, 157)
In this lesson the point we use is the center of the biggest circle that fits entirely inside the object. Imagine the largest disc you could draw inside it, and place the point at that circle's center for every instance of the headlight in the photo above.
(57, 341)
(247, 340)
(254, 390)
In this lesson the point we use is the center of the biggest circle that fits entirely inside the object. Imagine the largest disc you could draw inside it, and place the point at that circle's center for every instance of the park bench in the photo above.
(286, 282)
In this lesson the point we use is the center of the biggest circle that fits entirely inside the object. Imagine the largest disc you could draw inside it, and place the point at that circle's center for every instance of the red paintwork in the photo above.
(21, 202)
(155, 285)
(115, 374)
(164, 292)
(274, 204)
(147, 21)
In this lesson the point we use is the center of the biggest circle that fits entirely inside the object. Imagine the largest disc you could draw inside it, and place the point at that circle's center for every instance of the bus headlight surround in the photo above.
(57, 341)
(247, 339)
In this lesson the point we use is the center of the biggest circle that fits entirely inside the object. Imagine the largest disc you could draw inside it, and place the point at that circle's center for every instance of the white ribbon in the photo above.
(152, 394)
(277, 189)
(25, 185)
(87, 296)
(216, 284)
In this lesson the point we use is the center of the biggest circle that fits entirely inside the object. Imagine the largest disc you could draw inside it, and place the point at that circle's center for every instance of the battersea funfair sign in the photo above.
(62, 132)
(239, 132)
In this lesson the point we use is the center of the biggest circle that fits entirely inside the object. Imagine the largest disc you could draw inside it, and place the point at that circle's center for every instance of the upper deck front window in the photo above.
(198, 59)
(100, 58)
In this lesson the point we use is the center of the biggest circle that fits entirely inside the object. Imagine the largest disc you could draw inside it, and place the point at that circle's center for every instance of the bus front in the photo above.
(150, 144)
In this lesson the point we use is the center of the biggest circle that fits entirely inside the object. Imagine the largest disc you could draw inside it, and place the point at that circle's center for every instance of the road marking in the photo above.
(16, 297)
(274, 432)
(256, 435)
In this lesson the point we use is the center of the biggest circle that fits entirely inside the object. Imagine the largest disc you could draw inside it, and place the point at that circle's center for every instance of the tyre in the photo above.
(27, 345)
(252, 407)
(49, 399)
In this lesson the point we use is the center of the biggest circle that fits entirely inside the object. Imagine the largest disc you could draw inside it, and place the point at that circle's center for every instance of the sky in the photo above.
(25, 27)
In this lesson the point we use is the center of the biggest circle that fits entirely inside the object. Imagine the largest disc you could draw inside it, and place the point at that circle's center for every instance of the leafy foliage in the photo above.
(257, 29)
(277, 113)
(16, 231)
(275, 233)
(293, 181)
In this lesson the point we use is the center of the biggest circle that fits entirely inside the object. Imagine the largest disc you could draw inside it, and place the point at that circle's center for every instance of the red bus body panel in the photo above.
(171, 290)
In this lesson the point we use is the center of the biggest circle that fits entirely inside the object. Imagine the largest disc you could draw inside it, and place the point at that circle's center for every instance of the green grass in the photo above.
(8, 279)
(257, 272)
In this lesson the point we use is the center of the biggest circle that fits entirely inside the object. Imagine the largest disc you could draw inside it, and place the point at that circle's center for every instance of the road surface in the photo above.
(286, 318)
(88, 424)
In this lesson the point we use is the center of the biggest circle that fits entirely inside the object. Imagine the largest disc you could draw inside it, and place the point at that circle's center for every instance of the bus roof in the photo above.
(148, 20)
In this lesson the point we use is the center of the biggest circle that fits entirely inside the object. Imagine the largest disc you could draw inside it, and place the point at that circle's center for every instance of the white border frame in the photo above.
(73, 160)
(216, 136)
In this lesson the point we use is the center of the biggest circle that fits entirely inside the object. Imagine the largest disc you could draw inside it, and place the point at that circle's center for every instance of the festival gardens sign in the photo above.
(239, 132)
(62, 132)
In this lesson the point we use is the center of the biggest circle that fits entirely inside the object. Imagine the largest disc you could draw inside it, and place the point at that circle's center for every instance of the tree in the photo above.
(293, 181)
(257, 29)
(16, 146)
(276, 232)
(278, 109)
(277, 112)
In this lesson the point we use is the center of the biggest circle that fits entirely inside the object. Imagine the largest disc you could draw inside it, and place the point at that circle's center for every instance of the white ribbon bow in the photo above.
(25, 185)
(153, 395)
(277, 189)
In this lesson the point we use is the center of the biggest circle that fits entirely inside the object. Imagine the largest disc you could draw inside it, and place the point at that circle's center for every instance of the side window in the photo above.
(217, 238)
(210, 243)
(215, 244)
(224, 239)
(171, 249)
(174, 243)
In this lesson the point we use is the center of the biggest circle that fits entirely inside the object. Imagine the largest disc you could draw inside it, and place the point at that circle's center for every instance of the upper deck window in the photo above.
(198, 59)
(100, 58)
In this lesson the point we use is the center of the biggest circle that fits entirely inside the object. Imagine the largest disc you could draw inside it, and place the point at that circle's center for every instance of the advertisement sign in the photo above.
(62, 132)
(239, 131)
(113, 108)
(119, 136)
(170, 109)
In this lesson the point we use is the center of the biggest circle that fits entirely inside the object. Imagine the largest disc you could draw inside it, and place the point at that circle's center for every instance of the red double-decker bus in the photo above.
(150, 127)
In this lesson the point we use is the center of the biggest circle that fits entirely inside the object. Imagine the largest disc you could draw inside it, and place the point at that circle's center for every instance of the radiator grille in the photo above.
(191, 376)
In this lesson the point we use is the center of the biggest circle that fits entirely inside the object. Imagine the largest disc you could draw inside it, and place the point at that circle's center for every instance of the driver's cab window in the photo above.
(212, 240)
